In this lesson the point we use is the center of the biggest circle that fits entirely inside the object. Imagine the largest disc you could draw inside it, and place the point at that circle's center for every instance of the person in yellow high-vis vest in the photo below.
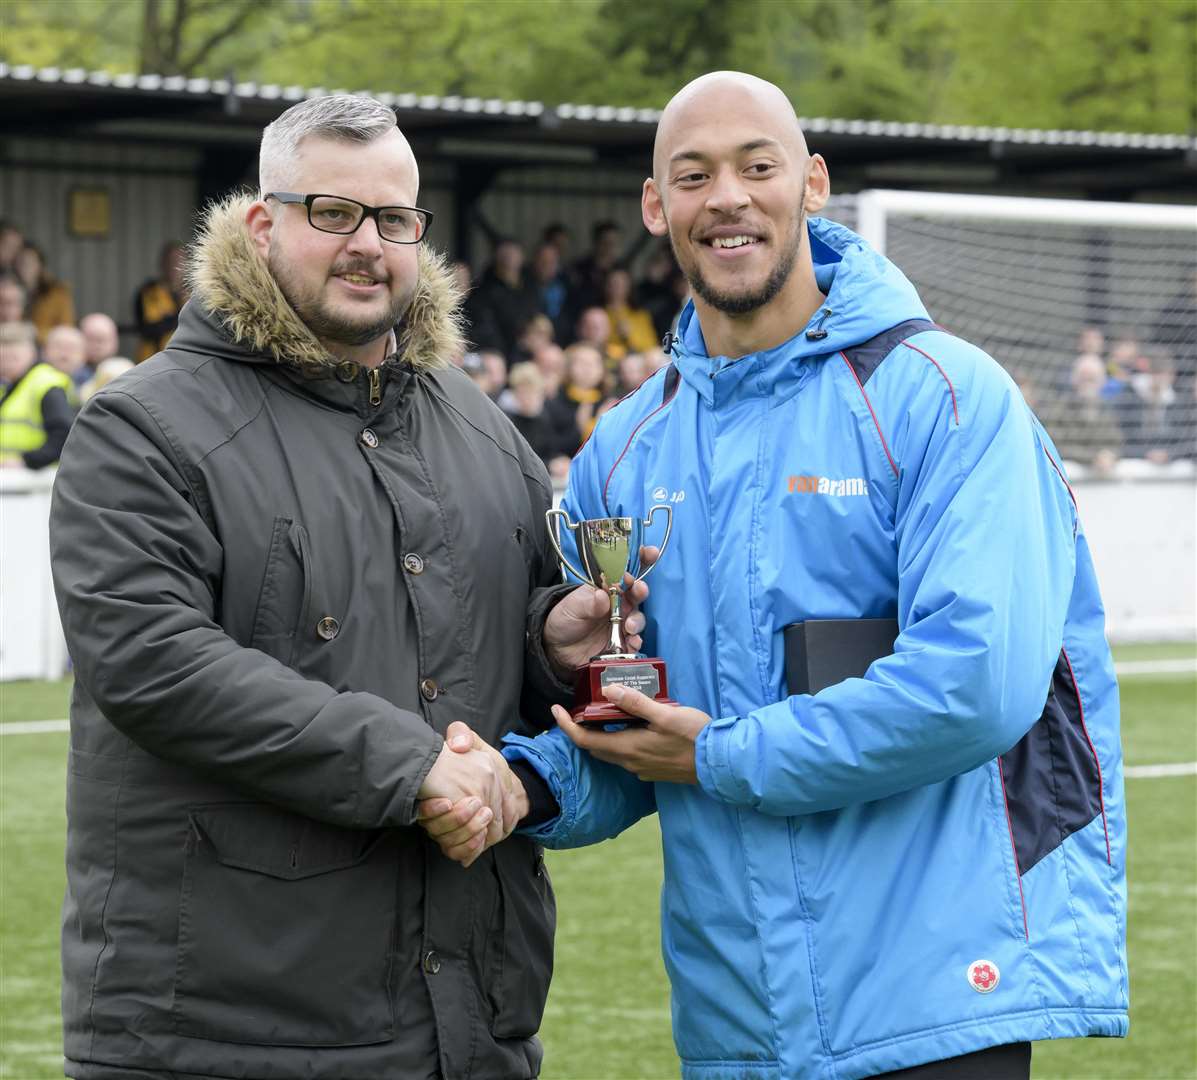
(35, 402)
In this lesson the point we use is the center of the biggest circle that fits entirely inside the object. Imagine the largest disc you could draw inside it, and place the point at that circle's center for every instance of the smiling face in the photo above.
(350, 290)
(732, 183)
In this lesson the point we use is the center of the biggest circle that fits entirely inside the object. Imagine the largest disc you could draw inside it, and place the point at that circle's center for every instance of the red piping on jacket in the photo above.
(951, 388)
(1101, 794)
(628, 444)
(884, 444)
(1063, 480)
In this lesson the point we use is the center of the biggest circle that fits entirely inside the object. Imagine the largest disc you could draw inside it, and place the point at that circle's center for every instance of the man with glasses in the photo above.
(289, 551)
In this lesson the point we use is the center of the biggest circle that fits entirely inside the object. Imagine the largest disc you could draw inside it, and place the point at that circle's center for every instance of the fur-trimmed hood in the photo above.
(229, 278)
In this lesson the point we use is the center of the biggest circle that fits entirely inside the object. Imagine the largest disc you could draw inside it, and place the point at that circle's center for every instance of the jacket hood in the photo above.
(866, 294)
(232, 282)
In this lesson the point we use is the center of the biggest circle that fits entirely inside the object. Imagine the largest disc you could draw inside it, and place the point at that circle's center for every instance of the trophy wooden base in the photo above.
(592, 710)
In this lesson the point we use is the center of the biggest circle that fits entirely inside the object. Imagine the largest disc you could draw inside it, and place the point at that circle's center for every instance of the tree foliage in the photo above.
(1104, 64)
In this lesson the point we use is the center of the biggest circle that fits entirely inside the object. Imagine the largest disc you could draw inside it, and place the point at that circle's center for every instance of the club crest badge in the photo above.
(983, 976)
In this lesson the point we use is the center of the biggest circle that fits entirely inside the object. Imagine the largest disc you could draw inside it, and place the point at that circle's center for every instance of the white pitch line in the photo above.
(1182, 666)
(35, 727)
(1131, 772)
(1155, 772)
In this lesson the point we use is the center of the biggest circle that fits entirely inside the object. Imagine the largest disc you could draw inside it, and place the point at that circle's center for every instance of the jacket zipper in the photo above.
(375, 387)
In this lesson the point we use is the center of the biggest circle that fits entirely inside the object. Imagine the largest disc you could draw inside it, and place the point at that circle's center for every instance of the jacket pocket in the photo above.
(286, 592)
(285, 930)
(521, 953)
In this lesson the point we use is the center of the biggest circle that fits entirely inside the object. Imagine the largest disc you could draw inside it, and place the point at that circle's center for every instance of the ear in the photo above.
(652, 209)
(818, 185)
(260, 223)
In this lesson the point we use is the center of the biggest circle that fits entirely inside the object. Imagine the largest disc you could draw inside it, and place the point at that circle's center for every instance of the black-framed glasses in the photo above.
(337, 214)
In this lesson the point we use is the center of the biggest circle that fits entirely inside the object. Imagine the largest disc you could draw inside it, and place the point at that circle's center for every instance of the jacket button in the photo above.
(347, 371)
(412, 563)
(328, 628)
(368, 438)
(432, 962)
(428, 689)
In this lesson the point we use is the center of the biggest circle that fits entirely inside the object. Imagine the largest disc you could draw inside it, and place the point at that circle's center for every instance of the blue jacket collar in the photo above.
(866, 294)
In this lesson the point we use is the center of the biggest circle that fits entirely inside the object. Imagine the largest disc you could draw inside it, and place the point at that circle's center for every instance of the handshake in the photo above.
(470, 799)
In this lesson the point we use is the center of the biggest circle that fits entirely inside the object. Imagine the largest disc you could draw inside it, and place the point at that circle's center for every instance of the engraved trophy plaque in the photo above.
(609, 551)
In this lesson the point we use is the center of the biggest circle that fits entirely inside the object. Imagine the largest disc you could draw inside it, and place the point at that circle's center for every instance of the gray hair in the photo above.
(348, 117)
(18, 333)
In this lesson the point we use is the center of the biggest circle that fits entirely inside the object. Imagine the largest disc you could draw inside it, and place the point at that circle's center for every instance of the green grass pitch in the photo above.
(608, 1013)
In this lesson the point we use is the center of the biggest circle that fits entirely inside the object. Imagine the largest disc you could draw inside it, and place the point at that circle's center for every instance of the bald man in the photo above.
(891, 801)
(290, 550)
(101, 336)
(66, 349)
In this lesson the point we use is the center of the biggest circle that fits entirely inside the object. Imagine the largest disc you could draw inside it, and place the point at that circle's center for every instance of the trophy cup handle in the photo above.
(664, 540)
(553, 518)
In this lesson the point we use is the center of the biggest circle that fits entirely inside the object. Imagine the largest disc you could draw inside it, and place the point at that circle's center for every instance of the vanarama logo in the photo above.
(825, 485)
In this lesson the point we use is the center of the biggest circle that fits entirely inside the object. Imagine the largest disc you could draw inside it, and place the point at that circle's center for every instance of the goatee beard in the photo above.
(328, 325)
(747, 302)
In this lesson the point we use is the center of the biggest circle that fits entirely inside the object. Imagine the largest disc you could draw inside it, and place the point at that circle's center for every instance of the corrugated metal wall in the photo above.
(152, 190)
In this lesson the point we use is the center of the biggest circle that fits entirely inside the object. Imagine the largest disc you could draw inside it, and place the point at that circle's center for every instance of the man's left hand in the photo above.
(579, 626)
(664, 750)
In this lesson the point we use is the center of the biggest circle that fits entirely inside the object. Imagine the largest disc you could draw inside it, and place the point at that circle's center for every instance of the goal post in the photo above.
(1091, 306)
(874, 206)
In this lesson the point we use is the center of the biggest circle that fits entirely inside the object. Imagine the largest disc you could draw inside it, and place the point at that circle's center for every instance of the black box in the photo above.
(823, 652)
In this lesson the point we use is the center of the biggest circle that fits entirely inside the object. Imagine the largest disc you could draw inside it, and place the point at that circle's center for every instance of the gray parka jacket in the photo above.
(280, 580)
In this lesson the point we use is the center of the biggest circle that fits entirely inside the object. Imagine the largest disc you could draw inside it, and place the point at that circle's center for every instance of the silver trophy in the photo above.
(609, 550)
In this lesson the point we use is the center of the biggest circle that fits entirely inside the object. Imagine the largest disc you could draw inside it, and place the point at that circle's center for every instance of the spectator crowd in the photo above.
(558, 339)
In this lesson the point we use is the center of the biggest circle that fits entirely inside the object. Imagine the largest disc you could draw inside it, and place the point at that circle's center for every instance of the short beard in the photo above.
(745, 303)
(325, 324)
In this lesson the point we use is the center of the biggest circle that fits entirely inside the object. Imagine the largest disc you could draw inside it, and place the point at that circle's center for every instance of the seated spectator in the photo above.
(158, 302)
(101, 337)
(590, 272)
(528, 414)
(49, 300)
(66, 350)
(550, 360)
(655, 290)
(1120, 365)
(594, 328)
(631, 326)
(488, 369)
(1151, 426)
(537, 333)
(1175, 332)
(11, 242)
(1091, 339)
(585, 389)
(502, 304)
(551, 285)
(557, 234)
(35, 402)
(106, 371)
(1082, 425)
(13, 298)
(632, 372)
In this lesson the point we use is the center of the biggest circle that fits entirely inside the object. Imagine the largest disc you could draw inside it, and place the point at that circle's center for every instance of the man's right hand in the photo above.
(463, 820)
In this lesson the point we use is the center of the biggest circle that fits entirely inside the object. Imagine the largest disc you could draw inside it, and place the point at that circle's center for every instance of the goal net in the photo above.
(1091, 307)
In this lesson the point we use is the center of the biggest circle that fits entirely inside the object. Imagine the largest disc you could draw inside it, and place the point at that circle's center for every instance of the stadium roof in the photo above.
(52, 101)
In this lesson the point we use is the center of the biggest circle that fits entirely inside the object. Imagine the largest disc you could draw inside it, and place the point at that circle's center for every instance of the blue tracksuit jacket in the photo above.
(907, 866)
